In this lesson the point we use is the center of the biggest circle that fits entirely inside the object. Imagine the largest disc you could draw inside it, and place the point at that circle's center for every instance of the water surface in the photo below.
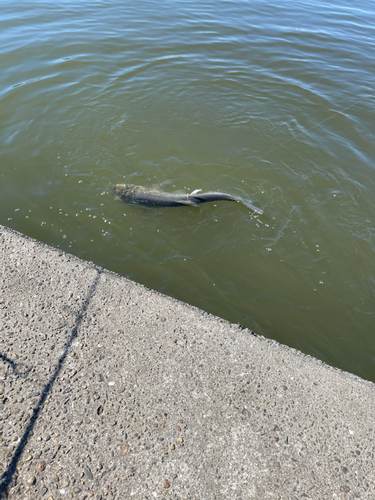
(274, 103)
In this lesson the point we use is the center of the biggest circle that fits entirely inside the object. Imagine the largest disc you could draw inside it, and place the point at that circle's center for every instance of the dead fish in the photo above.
(138, 195)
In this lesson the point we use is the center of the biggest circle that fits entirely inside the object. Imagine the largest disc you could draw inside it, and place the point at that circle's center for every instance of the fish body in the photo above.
(138, 195)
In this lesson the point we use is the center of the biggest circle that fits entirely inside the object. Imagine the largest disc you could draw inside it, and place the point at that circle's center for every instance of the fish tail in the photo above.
(251, 206)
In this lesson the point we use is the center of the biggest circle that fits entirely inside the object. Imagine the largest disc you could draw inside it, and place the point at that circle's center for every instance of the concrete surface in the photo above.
(110, 390)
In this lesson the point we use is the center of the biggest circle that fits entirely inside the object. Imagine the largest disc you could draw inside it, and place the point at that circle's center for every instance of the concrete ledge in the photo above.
(111, 390)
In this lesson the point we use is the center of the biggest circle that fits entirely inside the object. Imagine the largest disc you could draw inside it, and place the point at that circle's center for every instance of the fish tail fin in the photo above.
(251, 206)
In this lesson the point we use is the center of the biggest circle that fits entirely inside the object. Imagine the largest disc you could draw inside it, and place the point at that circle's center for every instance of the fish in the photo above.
(139, 195)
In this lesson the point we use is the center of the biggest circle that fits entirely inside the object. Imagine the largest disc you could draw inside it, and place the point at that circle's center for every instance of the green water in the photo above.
(274, 103)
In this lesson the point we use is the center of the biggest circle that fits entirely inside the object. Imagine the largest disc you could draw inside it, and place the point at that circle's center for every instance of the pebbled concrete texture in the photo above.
(111, 390)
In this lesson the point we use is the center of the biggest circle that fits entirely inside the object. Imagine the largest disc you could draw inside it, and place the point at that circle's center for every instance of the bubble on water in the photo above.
(94, 216)
(17, 210)
(64, 236)
(9, 218)
(43, 223)
(321, 282)
(79, 182)
(269, 249)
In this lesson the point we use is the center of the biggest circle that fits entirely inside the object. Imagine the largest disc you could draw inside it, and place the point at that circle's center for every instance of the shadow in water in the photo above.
(8, 474)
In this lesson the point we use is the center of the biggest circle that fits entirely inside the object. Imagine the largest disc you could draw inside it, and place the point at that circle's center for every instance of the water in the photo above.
(274, 103)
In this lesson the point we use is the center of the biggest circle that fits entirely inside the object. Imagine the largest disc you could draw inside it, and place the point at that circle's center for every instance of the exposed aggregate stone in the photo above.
(156, 399)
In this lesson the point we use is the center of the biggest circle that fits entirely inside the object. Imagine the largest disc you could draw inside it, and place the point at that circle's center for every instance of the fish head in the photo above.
(121, 191)
(126, 192)
(118, 189)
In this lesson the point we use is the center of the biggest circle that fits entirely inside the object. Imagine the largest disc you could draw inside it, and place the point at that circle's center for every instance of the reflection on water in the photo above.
(272, 103)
